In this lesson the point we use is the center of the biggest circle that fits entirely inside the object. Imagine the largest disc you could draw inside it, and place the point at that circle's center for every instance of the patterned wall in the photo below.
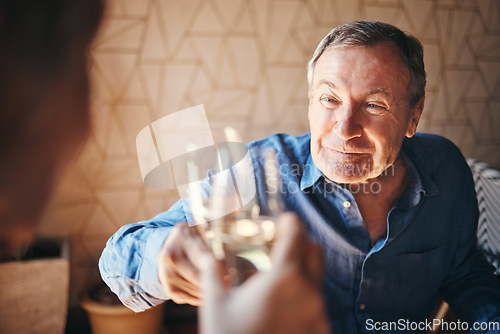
(245, 61)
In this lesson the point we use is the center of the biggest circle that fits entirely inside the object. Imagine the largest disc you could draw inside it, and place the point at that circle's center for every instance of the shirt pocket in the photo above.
(419, 276)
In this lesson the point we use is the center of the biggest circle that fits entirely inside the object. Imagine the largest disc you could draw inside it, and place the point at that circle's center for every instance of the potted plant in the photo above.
(108, 315)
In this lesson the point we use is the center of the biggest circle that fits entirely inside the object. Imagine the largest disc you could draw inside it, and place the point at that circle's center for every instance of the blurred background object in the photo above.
(34, 291)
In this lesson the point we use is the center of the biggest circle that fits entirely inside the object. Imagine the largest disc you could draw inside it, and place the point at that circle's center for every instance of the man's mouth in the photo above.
(348, 151)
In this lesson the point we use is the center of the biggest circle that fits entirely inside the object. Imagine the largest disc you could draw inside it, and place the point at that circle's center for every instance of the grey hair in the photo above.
(371, 33)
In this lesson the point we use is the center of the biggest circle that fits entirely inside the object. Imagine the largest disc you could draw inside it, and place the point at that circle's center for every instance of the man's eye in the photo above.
(371, 105)
(328, 101)
(376, 108)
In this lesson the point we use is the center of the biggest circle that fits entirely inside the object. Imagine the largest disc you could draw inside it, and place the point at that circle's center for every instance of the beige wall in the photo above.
(245, 61)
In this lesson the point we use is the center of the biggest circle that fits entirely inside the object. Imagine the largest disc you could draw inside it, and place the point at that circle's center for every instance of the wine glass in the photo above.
(236, 230)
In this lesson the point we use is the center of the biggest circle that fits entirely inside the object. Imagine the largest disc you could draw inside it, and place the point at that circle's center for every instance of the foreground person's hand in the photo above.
(287, 299)
(178, 264)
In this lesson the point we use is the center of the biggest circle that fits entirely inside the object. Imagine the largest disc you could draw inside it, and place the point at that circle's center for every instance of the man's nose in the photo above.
(346, 123)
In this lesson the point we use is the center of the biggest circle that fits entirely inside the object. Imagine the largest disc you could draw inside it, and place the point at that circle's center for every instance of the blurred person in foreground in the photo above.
(44, 121)
(44, 106)
(394, 210)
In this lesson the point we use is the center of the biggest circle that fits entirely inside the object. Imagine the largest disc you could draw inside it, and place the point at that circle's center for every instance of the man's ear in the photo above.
(415, 117)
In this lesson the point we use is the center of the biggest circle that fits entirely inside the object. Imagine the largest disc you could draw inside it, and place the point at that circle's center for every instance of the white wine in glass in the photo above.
(243, 238)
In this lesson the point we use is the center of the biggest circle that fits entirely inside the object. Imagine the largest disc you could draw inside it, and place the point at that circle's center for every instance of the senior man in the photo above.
(394, 211)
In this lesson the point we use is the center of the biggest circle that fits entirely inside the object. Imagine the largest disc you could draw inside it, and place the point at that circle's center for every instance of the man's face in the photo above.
(359, 111)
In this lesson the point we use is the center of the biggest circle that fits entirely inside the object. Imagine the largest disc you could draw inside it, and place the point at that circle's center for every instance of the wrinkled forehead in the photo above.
(378, 67)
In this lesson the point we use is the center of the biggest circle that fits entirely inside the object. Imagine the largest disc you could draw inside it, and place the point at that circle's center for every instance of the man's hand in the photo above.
(178, 264)
(286, 299)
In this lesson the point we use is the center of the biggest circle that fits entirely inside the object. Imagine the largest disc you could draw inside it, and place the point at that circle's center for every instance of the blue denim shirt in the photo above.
(429, 249)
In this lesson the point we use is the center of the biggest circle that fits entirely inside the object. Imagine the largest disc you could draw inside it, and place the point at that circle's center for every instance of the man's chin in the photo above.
(351, 172)
(346, 178)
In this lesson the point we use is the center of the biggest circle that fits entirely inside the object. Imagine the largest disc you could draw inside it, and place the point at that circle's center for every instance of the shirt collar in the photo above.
(419, 180)
(310, 175)
(413, 193)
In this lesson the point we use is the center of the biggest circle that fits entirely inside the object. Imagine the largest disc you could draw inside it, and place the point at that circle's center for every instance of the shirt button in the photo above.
(347, 204)
(362, 306)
